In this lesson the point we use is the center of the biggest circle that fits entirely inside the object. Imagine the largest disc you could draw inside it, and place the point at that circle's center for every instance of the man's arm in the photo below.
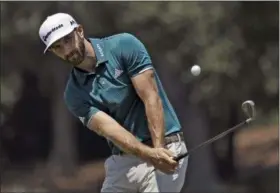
(146, 88)
(139, 67)
(98, 121)
(104, 125)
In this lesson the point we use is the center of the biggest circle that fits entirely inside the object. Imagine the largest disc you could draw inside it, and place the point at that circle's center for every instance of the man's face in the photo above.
(71, 48)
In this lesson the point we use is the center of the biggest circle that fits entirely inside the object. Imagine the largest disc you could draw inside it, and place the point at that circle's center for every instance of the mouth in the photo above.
(75, 58)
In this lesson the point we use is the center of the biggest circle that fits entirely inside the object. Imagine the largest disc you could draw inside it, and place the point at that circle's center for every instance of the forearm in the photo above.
(155, 116)
(114, 132)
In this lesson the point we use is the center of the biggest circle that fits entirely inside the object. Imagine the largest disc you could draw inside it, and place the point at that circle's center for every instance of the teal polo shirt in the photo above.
(110, 89)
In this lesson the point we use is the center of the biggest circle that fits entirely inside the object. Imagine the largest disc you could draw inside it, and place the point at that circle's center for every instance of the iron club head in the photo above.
(249, 109)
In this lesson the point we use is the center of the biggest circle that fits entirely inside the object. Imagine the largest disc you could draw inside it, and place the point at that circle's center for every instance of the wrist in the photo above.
(145, 153)
(159, 142)
(159, 145)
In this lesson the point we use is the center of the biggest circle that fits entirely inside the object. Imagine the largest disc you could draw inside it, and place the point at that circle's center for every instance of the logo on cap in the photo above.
(51, 31)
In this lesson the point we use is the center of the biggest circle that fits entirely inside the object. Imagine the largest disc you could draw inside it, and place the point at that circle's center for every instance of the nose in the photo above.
(67, 50)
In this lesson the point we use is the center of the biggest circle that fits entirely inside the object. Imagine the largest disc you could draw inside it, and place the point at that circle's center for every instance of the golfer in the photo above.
(115, 91)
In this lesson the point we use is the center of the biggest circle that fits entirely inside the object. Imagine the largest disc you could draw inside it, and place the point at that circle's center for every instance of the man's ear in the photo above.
(80, 31)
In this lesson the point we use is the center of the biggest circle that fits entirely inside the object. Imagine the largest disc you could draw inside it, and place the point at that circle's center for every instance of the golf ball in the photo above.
(196, 70)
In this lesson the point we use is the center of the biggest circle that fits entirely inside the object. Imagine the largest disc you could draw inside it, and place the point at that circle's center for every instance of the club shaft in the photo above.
(221, 135)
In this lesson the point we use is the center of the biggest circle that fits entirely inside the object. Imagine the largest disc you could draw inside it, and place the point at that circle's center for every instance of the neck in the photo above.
(89, 62)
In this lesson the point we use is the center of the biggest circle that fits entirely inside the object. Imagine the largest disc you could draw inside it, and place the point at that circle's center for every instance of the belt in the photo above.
(171, 138)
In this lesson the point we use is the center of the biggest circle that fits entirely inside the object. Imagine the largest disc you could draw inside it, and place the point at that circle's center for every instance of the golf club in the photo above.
(248, 108)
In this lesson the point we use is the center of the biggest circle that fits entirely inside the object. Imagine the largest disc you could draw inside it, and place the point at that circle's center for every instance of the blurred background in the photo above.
(45, 149)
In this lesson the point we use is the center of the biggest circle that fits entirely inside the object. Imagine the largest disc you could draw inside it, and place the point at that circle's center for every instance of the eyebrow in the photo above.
(56, 42)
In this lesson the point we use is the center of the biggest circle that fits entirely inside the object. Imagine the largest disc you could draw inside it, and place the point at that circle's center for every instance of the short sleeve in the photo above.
(134, 55)
(80, 108)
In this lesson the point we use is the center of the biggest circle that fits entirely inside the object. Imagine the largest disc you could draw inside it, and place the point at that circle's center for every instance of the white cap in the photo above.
(55, 27)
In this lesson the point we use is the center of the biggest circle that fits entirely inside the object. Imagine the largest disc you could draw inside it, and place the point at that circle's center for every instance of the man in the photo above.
(115, 91)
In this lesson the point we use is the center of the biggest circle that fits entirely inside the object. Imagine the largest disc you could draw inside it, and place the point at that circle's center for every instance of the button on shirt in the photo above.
(109, 88)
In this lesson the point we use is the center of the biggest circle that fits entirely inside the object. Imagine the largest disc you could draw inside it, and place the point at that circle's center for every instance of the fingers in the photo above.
(169, 160)
(170, 156)
(165, 168)
(167, 165)
(164, 160)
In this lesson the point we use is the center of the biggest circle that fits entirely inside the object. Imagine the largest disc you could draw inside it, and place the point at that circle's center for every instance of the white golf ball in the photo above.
(196, 70)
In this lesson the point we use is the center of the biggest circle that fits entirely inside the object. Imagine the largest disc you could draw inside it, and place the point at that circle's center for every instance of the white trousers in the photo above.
(127, 173)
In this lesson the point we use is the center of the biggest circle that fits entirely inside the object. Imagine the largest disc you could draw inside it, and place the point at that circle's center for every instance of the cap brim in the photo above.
(58, 36)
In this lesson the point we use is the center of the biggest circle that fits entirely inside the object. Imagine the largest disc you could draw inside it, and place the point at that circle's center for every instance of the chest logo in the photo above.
(118, 73)
(82, 119)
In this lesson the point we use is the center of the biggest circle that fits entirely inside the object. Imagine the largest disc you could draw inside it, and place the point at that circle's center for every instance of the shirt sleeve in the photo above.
(134, 55)
(80, 108)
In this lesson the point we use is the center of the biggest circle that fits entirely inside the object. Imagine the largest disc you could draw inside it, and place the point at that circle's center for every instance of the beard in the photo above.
(77, 56)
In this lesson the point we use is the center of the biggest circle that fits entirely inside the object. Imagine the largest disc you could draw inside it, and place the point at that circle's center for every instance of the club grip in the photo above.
(181, 156)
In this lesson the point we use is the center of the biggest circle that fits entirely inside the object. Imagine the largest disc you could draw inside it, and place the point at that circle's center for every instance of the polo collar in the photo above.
(99, 49)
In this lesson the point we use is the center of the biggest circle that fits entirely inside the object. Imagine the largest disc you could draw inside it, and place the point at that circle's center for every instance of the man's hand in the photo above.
(162, 159)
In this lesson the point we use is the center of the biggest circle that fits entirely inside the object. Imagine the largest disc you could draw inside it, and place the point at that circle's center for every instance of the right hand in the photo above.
(162, 159)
